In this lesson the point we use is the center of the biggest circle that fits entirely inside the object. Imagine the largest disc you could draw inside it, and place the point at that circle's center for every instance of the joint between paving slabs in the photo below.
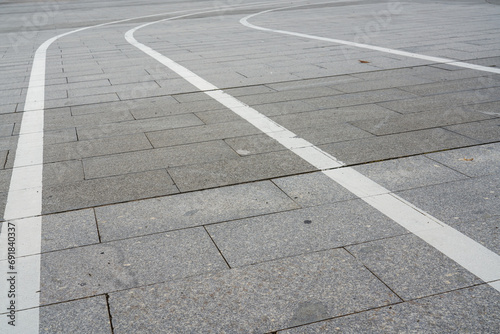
(109, 314)
(218, 249)
(97, 226)
(388, 287)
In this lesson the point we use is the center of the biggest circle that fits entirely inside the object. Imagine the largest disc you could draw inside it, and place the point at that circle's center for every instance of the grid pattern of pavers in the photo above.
(165, 212)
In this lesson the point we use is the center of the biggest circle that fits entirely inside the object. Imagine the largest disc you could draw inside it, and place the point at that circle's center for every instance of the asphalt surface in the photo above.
(317, 167)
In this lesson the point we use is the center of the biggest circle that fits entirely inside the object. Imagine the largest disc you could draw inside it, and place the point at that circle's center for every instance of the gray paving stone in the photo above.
(92, 270)
(192, 209)
(8, 108)
(484, 131)
(77, 101)
(69, 229)
(234, 171)
(89, 193)
(452, 86)
(395, 146)
(460, 201)
(283, 108)
(391, 82)
(104, 117)
(10, 118)
(412, 268)
(3, 202)
(322, 118)
(448, 100)
(124, 163)
(5, 176)
(488, 108)
(471, 310)
(138, 126)
(3, 159)
(419, 121)
(88, 315)
(6, 130)
(289, 95)
(202, 133)
(408, 173)
(191, 97)
(97, 147)
(59, 136)
(251, 90)
(266, 297)
(485, 231)
(317, 82)
(102, 109)
(270, 237)
(376, 96)
(62, 172)
(255, 144)
(472, 161)
(313, 189)
(331, 133)
(218, 116)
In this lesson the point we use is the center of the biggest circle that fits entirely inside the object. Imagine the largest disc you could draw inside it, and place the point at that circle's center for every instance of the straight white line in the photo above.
(24, 201)
(244, 21)
(450, 242)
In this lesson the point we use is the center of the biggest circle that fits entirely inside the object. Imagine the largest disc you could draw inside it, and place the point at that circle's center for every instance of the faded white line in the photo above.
(24, 202)
(450, 242)
(453, 62)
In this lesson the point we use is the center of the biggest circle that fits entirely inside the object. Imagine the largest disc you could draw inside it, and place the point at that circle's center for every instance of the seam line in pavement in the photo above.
(444, 238)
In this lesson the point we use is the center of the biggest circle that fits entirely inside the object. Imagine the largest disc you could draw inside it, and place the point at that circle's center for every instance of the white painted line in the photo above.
(244, 21)
(450, 242)
(24, 201)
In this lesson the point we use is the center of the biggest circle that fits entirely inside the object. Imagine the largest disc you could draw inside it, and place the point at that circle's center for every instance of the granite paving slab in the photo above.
(266, 297)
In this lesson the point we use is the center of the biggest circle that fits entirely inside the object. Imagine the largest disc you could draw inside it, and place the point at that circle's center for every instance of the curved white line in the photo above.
(24, 202)
(244, 21)
(444, 238)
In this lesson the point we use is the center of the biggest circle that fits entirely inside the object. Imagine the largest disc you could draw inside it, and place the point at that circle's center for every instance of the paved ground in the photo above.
(164, 211)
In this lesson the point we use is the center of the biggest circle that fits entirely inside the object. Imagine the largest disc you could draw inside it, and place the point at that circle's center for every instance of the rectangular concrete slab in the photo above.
(324, 117)
(408, 173)
(270, 237)
(92, 148)
(472, 161)
(418, 121)
(459, 201)
(484, 131)
(441, 101)
(485, 231)
(397, 145)
(313, 189)
(412, 268)
(470, 310)
(89, 315)
(89, 193)
(92, 270)
(119, 164)
(245, 169)
(255, 144)
(63, 172)
(192, 209)
(138, 126)
(376, 96)
(69, 229)
(203, 133)
(265, 297)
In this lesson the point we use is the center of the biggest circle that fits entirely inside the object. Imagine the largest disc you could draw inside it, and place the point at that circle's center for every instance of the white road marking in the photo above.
(244, 21)
(444, 238)
(24, 202)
